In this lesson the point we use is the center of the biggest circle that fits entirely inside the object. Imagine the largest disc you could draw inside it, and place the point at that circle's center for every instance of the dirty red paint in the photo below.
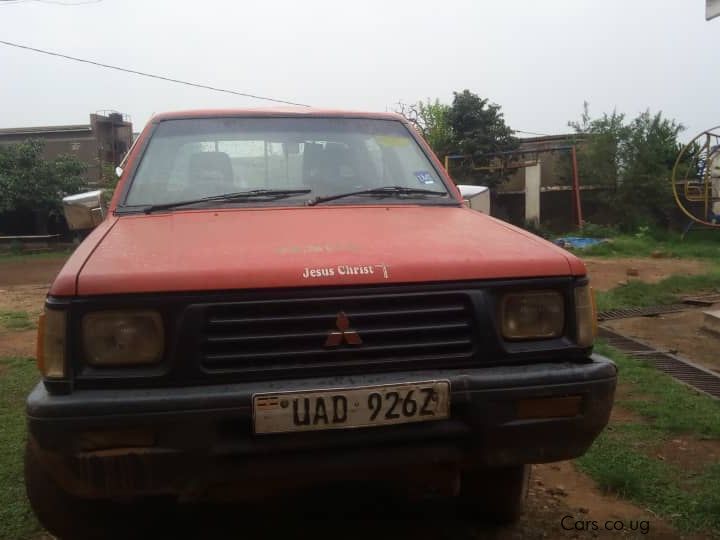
(249, 248)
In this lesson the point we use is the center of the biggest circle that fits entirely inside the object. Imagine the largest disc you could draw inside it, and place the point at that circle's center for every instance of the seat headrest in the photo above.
(211, 167)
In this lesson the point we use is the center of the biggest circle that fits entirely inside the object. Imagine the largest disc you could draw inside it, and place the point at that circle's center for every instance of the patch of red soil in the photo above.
(688, 453)
(17, 343)
(679, 333)
(606, 274)
(29, 270)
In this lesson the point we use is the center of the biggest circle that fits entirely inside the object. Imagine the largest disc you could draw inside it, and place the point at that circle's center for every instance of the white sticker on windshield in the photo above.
(424, 177)
(392, 140)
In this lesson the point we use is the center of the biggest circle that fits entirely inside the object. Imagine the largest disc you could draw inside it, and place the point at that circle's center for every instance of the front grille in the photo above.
(396, 330)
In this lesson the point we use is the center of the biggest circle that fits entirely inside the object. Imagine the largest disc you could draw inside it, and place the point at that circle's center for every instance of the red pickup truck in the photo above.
(278, 299)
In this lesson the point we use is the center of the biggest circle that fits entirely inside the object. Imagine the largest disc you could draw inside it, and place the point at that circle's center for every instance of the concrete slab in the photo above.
(711, 321)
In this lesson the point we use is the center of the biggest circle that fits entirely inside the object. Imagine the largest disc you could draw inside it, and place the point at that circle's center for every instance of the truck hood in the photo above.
(303, 247)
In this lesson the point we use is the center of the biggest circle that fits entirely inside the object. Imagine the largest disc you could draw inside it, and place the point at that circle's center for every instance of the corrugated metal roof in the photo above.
(551, 138)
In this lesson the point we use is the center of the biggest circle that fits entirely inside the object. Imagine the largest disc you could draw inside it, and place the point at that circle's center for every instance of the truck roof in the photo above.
(273, 111)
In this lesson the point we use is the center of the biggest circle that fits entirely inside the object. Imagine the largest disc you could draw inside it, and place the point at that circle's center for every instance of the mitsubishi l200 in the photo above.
(274, 300)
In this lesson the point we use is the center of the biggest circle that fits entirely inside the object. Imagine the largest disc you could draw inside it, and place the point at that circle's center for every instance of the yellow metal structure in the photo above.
(696, 179)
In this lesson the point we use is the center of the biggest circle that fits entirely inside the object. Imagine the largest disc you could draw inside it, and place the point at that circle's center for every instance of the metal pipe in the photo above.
(576, 188)
(706, 178)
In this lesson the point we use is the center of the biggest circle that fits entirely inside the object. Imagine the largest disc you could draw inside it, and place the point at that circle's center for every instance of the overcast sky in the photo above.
(538, 59)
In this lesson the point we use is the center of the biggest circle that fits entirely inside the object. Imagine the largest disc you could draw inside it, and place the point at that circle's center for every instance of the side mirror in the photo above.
(477, 197)
(84, 210)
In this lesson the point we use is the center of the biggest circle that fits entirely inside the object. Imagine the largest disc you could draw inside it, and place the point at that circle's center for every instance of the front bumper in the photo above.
(183, 441)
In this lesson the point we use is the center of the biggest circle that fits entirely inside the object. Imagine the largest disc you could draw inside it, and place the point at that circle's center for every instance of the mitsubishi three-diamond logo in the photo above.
(343, 334)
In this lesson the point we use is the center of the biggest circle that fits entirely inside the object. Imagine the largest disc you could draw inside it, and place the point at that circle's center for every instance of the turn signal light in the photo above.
(51, 343)
(555, 407)
(585, 315)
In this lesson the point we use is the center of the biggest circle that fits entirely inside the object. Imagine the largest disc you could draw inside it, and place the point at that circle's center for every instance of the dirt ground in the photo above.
(23, 286)
(607, 274)
(32, 270)
(557, 490)
(28, 298)
(558, 498)
(679, 333)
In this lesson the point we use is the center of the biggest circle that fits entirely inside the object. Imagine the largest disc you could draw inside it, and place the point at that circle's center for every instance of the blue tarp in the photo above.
(578, 242)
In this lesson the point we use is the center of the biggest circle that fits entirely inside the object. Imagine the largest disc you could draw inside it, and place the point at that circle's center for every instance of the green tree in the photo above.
(636, 159)
(431, 119)
(108, 178)
(600, 142)
(29, 182)
(479, 131)
(644, 192)
(471, 127)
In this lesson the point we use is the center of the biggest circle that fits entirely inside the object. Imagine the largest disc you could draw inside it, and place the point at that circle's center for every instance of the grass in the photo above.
(622, 461)
(17, 376)
(690, 504)
(703, 246)
(672, 407)
(16, 320)
(667, 291)
(9, 256)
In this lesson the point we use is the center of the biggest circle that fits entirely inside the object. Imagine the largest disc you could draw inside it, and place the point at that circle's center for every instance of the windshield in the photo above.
(195, 158)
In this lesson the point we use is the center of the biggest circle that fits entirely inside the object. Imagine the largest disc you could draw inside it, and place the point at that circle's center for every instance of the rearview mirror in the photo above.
(477, 197)
(84, 210)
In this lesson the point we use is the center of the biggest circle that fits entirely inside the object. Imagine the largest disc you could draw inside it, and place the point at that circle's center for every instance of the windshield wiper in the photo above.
(270, 194)
(385, 191)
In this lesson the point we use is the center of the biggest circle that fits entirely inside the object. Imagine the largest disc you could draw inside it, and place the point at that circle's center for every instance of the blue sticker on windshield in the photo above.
(424, 177)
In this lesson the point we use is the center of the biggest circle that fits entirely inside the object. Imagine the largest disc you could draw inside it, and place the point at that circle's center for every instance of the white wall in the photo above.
(532, 193)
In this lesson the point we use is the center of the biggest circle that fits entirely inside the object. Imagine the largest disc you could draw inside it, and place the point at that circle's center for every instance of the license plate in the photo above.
(351, 407)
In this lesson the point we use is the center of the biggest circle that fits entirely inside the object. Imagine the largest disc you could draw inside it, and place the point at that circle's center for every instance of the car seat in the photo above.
(211, 173)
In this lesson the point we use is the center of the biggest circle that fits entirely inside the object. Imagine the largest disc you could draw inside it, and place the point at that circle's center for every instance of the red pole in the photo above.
(576, 188)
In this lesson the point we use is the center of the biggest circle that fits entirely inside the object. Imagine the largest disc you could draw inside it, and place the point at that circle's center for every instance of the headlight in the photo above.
(51, 343)
(532, 315)
(585, 316)
(122, 338)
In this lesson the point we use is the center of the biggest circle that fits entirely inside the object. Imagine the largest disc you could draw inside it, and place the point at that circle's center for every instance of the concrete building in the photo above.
(99, 144)
(540, 190)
